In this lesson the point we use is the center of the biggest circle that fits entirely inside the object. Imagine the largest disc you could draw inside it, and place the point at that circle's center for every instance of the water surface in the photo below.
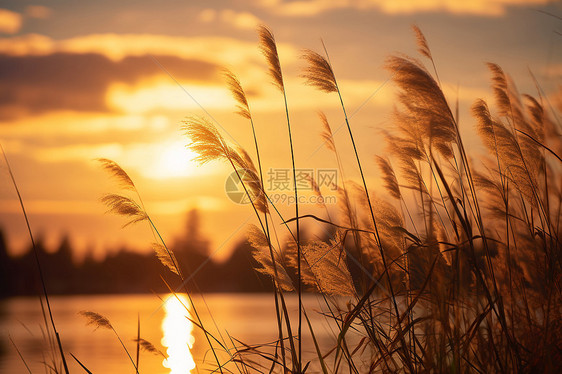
(164, 321)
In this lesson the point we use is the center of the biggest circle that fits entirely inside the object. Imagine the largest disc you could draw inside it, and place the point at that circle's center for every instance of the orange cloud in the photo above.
(41, 74)
(80, 125)
(10, 22)
(222, 50)
(239, 20)
(164, 94)
(207, 15)
(301, 8)
(63, 81)
(38, 11)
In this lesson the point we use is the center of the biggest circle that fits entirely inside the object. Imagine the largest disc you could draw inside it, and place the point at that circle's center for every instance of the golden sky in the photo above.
(81, 80)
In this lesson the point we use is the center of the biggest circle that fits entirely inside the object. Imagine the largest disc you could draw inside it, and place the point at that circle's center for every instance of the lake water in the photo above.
(249, 318)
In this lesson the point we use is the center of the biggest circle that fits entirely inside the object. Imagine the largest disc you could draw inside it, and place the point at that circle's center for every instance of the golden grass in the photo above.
(463, 276)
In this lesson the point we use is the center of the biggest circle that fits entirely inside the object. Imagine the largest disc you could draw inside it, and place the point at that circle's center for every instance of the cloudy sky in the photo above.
(80, 80)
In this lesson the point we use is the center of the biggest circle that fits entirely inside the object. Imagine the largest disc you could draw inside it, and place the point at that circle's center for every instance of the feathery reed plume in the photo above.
(393, 238)
(269, 49)
(424, 104)
(327, 263)
(251, 179)
(261, 204)
(238, 93)
(411, 175)
(313, 185)
(254, 180)
(96, 319)
(326, 81)
(499, 86)
(324, 266)
(262, 255)
(124, 206)
(256, 237)
(209, 145)
(166, 257)
(423, 47)
(149, 347)
(391, 183)
(206, 140)
(405, 147)
(326, 134)
(318, 72)
(506, 148)
(120, 174)
(537, 117)
(487, 126)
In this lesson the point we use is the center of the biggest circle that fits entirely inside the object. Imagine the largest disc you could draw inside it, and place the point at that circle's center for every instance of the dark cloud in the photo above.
(63, 81)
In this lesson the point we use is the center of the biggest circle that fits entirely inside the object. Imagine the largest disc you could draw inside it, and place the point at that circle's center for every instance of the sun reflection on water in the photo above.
(178, 335)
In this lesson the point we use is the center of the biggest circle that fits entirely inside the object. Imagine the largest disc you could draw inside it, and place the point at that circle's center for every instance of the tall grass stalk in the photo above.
(320, 74)
(244, 110)
(100, 321)
(38, 263)
(123, 205)
(269, 49)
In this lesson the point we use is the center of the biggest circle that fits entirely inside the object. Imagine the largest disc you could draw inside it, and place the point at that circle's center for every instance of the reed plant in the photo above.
(454, 267)
(459, 261)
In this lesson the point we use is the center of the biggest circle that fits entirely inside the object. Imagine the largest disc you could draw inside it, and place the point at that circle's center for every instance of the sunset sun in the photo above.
(172, 160)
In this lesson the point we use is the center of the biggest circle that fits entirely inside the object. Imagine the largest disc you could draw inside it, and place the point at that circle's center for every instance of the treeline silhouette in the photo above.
(129, 271)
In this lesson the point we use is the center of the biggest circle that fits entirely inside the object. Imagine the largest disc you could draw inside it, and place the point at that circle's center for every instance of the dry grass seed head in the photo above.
(318, 73)
(535, 111)
(423, 102)
(423, 47)
(238, 93)
(499, 86)
(504, 145)
(405, 147)
(256, 237)
(251, 180)
(124, 206)
(261, 254)
(390, 227)
(390, 181)
(326, 133)
(347, 216)
(149, 347)
(269, 49)
(328, 265)
(307, 276)
(96, 319)
(210, 145)
(485, 125)
(166, 257)
(410, 175)
(116, 170)
(206, 141)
